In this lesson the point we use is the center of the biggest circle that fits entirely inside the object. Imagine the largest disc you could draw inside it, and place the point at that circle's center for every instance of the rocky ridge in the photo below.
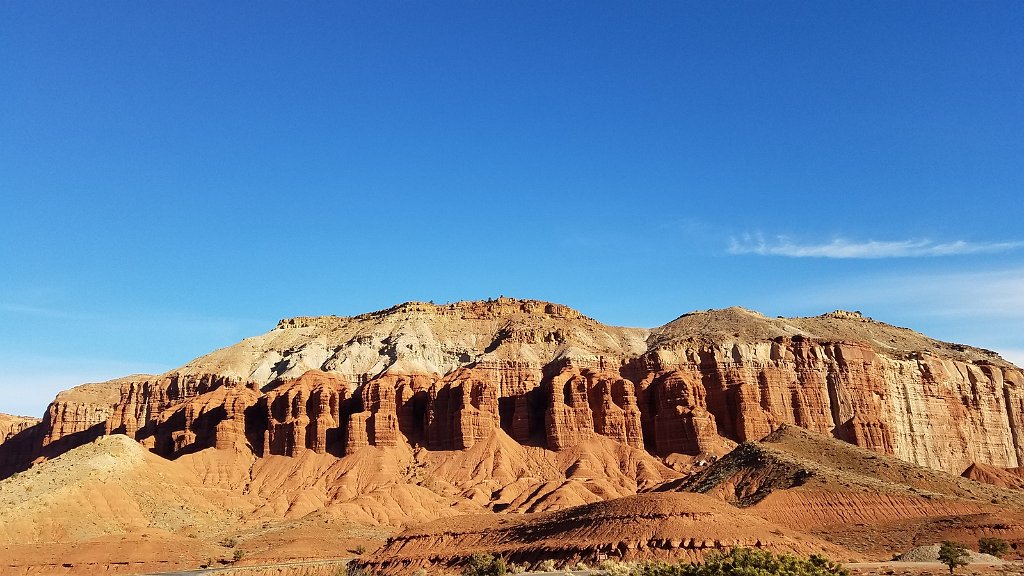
(522, 414)
(445, 377)
(10, 425)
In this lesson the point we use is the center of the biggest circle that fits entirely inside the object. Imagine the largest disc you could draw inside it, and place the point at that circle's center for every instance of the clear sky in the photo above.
(176, 176)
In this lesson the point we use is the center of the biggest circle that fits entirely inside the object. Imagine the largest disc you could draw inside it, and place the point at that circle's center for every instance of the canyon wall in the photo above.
(10, 426)
(447, 377)
(936, 412)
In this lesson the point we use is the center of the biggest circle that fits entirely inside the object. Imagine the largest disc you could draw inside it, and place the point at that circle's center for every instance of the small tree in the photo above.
(953, 554)
(994, 546)
(484, 565)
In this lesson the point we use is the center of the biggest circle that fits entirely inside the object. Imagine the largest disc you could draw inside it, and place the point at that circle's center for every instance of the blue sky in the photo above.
(177, 176)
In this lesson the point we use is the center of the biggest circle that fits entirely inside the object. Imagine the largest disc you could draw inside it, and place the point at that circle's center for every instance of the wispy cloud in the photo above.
(844, 248)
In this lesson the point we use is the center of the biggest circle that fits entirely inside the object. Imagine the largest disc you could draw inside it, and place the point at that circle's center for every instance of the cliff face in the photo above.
(446, 377)
(884, 388)
(932, 411)
(13, 425)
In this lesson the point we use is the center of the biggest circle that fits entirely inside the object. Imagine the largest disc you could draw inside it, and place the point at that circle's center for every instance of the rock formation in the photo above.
(445, 377)
(303, 414)
(12, 425)
(1002, 477)
(421, 412)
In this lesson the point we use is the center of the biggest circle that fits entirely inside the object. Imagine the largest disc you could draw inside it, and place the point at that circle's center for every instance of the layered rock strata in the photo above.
(446, 377)
(12, 425)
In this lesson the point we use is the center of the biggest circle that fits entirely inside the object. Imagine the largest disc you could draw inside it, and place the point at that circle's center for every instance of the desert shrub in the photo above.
(579, 566)
(238, 555)
(547, 566)
(353, 569)
(420, 572)
(615, 568)
(953, 554)
(744, 562)
(994, 546)
(360, 550)
(513, 568)
(229, 542)
(484, 565)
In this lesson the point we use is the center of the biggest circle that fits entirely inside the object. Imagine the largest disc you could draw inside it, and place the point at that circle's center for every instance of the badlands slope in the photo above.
(794, 491)
(328, 433)
(862, 500)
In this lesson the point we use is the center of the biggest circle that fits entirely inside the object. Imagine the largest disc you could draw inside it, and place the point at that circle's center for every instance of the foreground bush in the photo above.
(484, 565)
(994, 546)
(746, 562)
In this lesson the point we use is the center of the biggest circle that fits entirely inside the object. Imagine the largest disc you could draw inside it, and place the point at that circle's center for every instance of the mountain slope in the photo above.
(865, 501)
(355, 428)
(444, 376)
(641, 527)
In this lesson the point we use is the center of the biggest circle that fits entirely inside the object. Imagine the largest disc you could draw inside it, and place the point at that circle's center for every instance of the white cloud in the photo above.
(843, 248)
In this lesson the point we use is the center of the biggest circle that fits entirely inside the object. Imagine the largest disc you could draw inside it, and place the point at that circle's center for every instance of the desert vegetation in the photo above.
(953, 555)
(735, 562)
(995, 546)
(743, 561)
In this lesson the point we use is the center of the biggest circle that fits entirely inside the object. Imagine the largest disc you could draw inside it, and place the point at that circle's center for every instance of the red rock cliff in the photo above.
(446, 377)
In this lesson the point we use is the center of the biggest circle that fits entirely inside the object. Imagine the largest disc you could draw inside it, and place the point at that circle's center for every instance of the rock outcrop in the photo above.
(446, 377)
(12, 425)
(1002, 477)
(514, 411)
(304, 414)
(884, 388)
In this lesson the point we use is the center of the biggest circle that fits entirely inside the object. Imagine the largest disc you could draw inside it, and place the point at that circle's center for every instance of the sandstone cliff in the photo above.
(445, 377)
(12, 425)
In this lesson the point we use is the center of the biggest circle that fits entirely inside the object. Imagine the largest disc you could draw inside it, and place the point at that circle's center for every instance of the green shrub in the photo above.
(953, 554)
(746, 562)
(360, 550)
(547, 565)
(994, 546)
(484, 565)
(238, 555)
(615, 568)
